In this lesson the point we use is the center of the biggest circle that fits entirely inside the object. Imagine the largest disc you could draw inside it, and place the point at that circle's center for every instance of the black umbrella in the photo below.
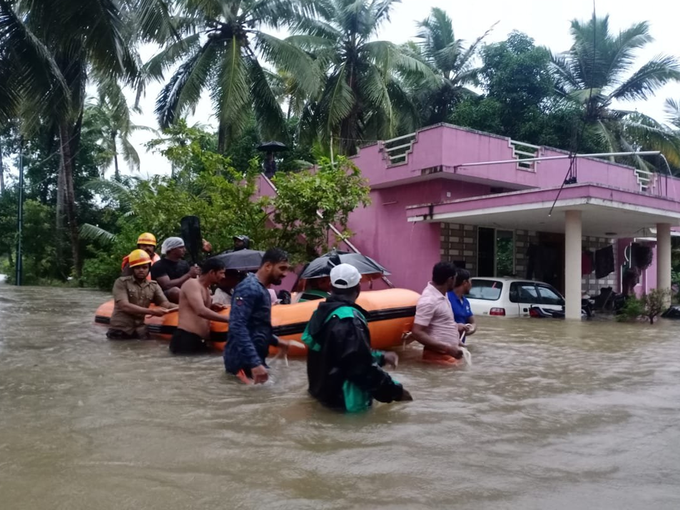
(242, 260)
(272, 147)
(320, 267)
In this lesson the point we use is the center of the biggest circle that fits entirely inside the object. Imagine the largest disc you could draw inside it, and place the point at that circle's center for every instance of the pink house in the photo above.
(485, 201)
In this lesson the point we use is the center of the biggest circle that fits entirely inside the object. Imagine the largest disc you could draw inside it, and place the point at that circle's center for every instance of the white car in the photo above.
(510, 297)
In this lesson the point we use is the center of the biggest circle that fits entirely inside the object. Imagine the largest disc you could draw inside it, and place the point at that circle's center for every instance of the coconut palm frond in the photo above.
(648, 79)
(672, 110)
(89, 232)
(184, 88)
(290, 58)
(265, 104)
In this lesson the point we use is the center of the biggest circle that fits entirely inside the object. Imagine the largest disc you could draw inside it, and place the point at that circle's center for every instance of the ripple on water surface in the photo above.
(551, 416)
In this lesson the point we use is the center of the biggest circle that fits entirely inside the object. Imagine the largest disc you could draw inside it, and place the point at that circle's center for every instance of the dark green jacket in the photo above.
(343, 372)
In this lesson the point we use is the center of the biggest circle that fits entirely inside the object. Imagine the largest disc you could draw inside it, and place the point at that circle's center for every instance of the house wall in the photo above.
(523, 239)
(381, 231)
(444, 148)
(589, 283)
(459, 243)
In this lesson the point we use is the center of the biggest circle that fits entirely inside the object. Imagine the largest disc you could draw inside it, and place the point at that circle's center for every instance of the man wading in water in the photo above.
(434, 325)
(195, 313)
(343, 372)
(132, 296)
(250, 320)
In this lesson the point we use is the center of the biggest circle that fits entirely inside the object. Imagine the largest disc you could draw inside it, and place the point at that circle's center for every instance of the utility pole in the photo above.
(20, 215)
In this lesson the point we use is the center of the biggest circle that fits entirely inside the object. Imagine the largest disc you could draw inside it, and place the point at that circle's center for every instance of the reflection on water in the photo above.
(551, 416)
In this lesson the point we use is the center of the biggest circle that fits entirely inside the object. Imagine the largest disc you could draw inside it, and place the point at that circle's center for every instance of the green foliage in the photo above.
(338, 84)
(207, 186)
(101, 270)
(648, 307)
(218, 55)
(453, 64)
(40, 263)
(520, 100)
(363, 96)
(632, 310)
(599, 71)
(333, 191)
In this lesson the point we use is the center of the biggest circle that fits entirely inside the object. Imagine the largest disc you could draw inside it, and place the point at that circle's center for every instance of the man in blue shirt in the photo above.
(462, 312)
(250, 320)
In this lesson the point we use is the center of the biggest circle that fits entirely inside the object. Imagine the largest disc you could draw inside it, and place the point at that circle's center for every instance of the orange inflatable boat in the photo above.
(390, 315)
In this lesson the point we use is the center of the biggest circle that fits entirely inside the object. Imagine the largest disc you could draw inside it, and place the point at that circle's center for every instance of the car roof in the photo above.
(504, 279)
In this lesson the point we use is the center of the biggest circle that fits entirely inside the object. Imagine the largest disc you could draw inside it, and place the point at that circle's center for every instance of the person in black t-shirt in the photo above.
(172, 271)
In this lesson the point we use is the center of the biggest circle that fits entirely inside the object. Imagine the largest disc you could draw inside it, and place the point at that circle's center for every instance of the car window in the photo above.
(549, 296)
(523, 292)
(488, 290)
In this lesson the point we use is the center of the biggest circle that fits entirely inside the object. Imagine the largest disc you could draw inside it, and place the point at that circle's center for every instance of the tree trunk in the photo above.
(69, 194)
(59, 223)
(2, 172)
(222, 138)
(116, 170)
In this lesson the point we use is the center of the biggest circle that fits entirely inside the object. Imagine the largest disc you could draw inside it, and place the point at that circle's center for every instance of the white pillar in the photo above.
(572, 264)
(663, 256)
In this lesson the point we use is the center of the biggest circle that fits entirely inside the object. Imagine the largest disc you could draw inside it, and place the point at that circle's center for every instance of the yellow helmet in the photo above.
(138, 258)
(147, 238)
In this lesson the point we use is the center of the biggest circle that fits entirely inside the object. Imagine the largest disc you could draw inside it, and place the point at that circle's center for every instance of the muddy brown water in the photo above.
(552, 415)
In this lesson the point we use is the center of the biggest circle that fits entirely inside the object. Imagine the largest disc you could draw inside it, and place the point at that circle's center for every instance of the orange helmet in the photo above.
(147, 238)
(138, 258)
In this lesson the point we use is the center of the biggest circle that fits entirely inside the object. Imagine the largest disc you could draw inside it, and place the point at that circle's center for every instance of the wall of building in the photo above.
(381, 231)
(444, 148)
(459, 243)
(589, 283)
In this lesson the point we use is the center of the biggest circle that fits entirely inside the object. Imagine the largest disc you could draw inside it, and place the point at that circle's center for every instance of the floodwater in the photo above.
(551, 415)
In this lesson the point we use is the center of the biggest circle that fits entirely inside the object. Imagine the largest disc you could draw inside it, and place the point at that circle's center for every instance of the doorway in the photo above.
(496, 252)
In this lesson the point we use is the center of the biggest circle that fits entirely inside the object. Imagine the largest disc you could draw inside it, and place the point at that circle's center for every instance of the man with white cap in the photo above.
(172, 270)
(343, 372)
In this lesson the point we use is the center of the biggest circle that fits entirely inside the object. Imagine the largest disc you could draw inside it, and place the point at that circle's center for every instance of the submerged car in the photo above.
(510, 297)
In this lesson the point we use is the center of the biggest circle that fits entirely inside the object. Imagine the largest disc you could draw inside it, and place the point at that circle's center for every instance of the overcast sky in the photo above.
(547, 21)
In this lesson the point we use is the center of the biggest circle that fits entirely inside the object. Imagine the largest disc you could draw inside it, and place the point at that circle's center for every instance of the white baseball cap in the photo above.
(345, 276)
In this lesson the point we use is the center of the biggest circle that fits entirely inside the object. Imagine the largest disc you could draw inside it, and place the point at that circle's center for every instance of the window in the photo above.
(549, 296)
(523, 292)
(505, 253)
(488, 290)
(495, 252)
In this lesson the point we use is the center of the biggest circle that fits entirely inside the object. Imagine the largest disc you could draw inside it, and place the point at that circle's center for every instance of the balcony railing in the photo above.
(398, 149)
(522, 151)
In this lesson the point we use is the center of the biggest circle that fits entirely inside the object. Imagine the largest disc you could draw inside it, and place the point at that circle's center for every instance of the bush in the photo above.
(647, 308)
(101, 271)
(632, 310)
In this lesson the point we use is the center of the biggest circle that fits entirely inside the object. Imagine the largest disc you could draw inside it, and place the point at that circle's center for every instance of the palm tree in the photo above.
(364, 96)
(598, 72)
(672, 109)
(112, 125)
(53, 47)
(451, 61)
(220, 50)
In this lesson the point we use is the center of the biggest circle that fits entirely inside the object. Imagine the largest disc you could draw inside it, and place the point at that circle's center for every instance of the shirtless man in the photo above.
(196, 311)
